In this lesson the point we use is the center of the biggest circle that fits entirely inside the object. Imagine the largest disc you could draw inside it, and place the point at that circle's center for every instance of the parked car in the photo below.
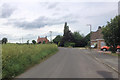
(106, 48)
(92, 46)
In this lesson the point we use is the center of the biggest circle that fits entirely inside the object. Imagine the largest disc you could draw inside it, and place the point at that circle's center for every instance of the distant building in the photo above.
(97, 38)
(42, 40)
(119, 8)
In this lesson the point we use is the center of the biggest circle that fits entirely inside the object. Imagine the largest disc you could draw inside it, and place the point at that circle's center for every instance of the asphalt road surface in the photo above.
(70, 63)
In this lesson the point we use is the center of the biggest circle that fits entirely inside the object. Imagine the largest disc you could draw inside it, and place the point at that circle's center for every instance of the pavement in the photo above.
(107, 58)
(72, 63)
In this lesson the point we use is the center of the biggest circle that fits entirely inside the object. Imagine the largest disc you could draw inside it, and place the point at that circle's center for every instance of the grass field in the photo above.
(17, 58)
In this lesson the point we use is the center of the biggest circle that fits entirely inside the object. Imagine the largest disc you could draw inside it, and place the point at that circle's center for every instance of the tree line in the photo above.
(5, 40)
(71, 39)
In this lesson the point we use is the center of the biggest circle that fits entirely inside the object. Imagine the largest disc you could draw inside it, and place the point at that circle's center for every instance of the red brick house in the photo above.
(41, 40)
(97, 38)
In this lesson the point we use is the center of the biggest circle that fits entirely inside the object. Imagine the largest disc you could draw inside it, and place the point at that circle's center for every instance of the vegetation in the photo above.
(67, 36)
(87, 39)
(57, 39)
(33, 41)
(17, 58)
(69, 44)
(4, 40)
(111, 33)
(71, 39)
(27, 41)
(78, 39)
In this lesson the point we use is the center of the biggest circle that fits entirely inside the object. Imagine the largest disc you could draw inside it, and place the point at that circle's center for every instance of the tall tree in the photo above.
(67, 36)
(4, 40)
(111, 33)
(66, 29)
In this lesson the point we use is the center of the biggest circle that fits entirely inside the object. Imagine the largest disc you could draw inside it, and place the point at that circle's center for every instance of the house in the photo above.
(97, 38)
(42, 40)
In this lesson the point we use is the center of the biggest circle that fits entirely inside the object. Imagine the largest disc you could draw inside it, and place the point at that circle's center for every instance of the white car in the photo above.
(92, 46)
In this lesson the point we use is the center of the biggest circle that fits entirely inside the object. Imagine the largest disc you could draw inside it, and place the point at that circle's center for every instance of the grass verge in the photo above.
(115, 54)
(18, 58)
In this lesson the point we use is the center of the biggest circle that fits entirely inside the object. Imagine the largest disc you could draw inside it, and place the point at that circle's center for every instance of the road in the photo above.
(70, 63)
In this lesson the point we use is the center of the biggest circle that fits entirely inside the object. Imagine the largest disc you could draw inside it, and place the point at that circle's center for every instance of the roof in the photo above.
(42, 39)
(97, 35)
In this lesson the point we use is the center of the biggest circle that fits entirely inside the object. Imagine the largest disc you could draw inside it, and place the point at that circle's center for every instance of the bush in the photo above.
(58, 43)
(112, 49)
(69, 44)
(33, 41)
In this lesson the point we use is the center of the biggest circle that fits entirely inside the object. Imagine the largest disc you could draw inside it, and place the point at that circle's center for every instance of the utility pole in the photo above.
(22, 39)
(51, 36)
(90, 32)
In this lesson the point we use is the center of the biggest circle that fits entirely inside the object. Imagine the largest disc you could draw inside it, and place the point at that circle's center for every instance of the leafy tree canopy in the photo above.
(33, 41)
(57, 39)
(111, 32)
(4, 40)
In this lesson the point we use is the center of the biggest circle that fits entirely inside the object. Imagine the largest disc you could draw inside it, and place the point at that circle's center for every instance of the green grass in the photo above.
(17, 58)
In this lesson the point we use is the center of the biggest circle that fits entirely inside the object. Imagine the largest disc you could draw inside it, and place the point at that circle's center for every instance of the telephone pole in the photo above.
(51, 36)
(22, 39)
(90, 32)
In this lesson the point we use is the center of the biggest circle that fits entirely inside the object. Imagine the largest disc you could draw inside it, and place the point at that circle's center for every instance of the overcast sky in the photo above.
(32, 18)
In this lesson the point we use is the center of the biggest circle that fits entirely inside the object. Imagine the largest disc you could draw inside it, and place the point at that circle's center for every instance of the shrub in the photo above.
(69, 44)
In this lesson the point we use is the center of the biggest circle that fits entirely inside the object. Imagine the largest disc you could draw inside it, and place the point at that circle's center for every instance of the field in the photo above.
(17, 58)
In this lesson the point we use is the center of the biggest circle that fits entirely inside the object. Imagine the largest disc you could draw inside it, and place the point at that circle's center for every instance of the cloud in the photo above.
(3, 35)
(41, 22)
(38, 18)
(53, 5)
(6, 10)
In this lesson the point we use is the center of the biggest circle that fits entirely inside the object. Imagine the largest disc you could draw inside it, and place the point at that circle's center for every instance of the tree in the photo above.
(78, 39)
(57, 39)
(4, 40)
(111, 33)
(71, 39)
(87, 39)
(33, 41)
(67, 36)
(27, 41)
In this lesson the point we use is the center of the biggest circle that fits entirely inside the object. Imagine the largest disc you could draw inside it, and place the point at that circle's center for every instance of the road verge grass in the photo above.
(17, 58)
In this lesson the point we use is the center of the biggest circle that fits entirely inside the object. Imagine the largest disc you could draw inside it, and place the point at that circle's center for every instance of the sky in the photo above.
(28, 19)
